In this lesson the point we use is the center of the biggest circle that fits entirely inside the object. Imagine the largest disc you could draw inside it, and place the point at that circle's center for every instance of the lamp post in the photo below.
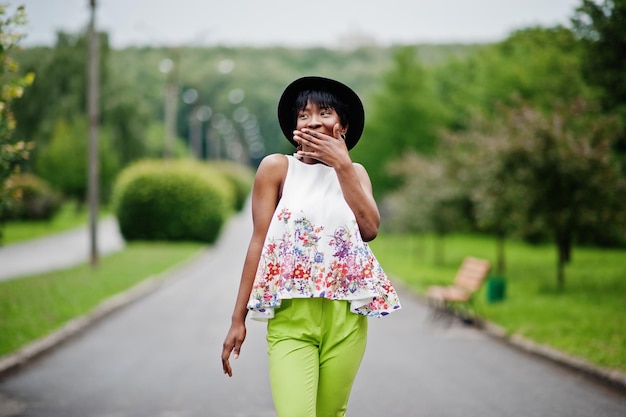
(190, 97)
(170, 68)
(93, 112)
(203, 114)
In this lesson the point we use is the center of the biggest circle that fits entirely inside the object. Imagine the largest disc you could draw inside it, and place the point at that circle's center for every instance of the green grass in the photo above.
(586, 319)
(67, 218)
(32, 307)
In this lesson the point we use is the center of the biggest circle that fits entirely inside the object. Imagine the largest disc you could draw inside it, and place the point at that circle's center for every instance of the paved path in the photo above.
(59, 251)
(160, 357)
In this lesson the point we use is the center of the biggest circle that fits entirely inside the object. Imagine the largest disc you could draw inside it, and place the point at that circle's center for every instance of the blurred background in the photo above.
(193, 78)
(281, 23)
(496, 120)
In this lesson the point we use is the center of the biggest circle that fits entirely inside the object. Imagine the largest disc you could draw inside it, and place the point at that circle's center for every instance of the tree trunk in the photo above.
(564, 247)
(560, 277)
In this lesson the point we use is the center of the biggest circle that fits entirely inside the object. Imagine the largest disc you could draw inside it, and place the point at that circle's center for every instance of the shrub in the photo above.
(63, 161)
(172, 200)
(31, 198)
(241, 177)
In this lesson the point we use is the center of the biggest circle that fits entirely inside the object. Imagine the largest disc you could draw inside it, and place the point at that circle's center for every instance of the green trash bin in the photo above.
(496, 289)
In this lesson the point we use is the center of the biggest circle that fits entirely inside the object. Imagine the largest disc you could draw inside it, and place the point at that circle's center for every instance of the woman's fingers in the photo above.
(320, 146)
(226, 363)
(236, 350)
(227, 369)
(312, 137)
(226, 358)
(232, 345)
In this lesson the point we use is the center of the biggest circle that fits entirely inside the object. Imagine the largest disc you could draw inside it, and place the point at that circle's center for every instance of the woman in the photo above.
(308, 270)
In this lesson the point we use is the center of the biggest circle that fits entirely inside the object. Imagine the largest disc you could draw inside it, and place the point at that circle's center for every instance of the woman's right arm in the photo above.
(265, 195)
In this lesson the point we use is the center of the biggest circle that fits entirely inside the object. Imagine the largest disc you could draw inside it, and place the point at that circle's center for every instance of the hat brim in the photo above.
(356, 113)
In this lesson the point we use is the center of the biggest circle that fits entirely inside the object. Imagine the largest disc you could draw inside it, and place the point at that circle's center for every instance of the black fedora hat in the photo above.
(356, 113)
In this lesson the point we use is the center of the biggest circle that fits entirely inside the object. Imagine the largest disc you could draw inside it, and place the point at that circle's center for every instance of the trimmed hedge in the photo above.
(182, 200)
(241, 177)
(31, 198)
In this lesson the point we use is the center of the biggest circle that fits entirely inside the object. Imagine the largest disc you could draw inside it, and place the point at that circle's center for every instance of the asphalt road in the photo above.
(160, 357)
(58, 251)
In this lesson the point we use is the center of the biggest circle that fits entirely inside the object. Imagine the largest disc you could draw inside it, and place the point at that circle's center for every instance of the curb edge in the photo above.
(13, 361)
(611, 376)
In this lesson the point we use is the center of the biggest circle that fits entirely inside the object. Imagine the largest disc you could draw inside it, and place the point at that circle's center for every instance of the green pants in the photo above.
(315, 349)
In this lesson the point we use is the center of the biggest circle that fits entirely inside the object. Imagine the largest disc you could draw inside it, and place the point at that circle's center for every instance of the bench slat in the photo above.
(469, 279)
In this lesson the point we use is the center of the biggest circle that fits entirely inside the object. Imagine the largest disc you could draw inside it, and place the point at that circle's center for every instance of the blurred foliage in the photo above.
(58, 93)
(545, 177)
(241, 178)
(12, 84)
(134, 80)
(521, 150)
(258, 74)
(420, 101)
(405, 114)
(154, 145)
(439, 126)
(602, 28)
(540, 177)
(63, 160)
(31, 198)
(429, 200)
(564, 166)
(182, 200)
(539, 66)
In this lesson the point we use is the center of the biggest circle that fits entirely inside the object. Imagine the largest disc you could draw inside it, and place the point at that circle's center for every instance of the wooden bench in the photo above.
(457, 298)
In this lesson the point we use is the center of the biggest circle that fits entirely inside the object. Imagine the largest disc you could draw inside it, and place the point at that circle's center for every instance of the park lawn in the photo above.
(586, 319)
(67, 218)
(32, 307)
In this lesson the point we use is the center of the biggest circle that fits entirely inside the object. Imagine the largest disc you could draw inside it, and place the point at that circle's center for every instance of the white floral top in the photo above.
(313, 248)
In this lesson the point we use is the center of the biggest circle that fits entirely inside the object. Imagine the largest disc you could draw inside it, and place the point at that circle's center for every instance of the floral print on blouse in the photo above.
(304, 257)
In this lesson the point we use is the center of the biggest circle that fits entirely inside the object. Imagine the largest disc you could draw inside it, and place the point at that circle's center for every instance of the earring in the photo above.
(343, 136)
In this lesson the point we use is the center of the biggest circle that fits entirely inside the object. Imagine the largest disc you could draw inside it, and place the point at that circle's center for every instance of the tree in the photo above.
(494, 201)
(602, 28)
(565, 174)
(60, 88)
(59, 94)
(63, 162)
(537, 66)
(430, 199)
(405, 117)
(529, 172)
(11, 152)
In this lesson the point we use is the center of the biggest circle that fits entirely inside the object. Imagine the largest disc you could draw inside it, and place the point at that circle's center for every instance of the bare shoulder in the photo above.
(268, 184)
(274, 161)
(272, 167)
(360, 169)
(363, 176)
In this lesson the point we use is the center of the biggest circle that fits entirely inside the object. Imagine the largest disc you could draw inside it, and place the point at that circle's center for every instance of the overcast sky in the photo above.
(292, 23)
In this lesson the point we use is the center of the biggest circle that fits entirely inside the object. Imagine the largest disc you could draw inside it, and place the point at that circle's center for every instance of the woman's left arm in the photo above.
(354, 180)
(357, 190)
